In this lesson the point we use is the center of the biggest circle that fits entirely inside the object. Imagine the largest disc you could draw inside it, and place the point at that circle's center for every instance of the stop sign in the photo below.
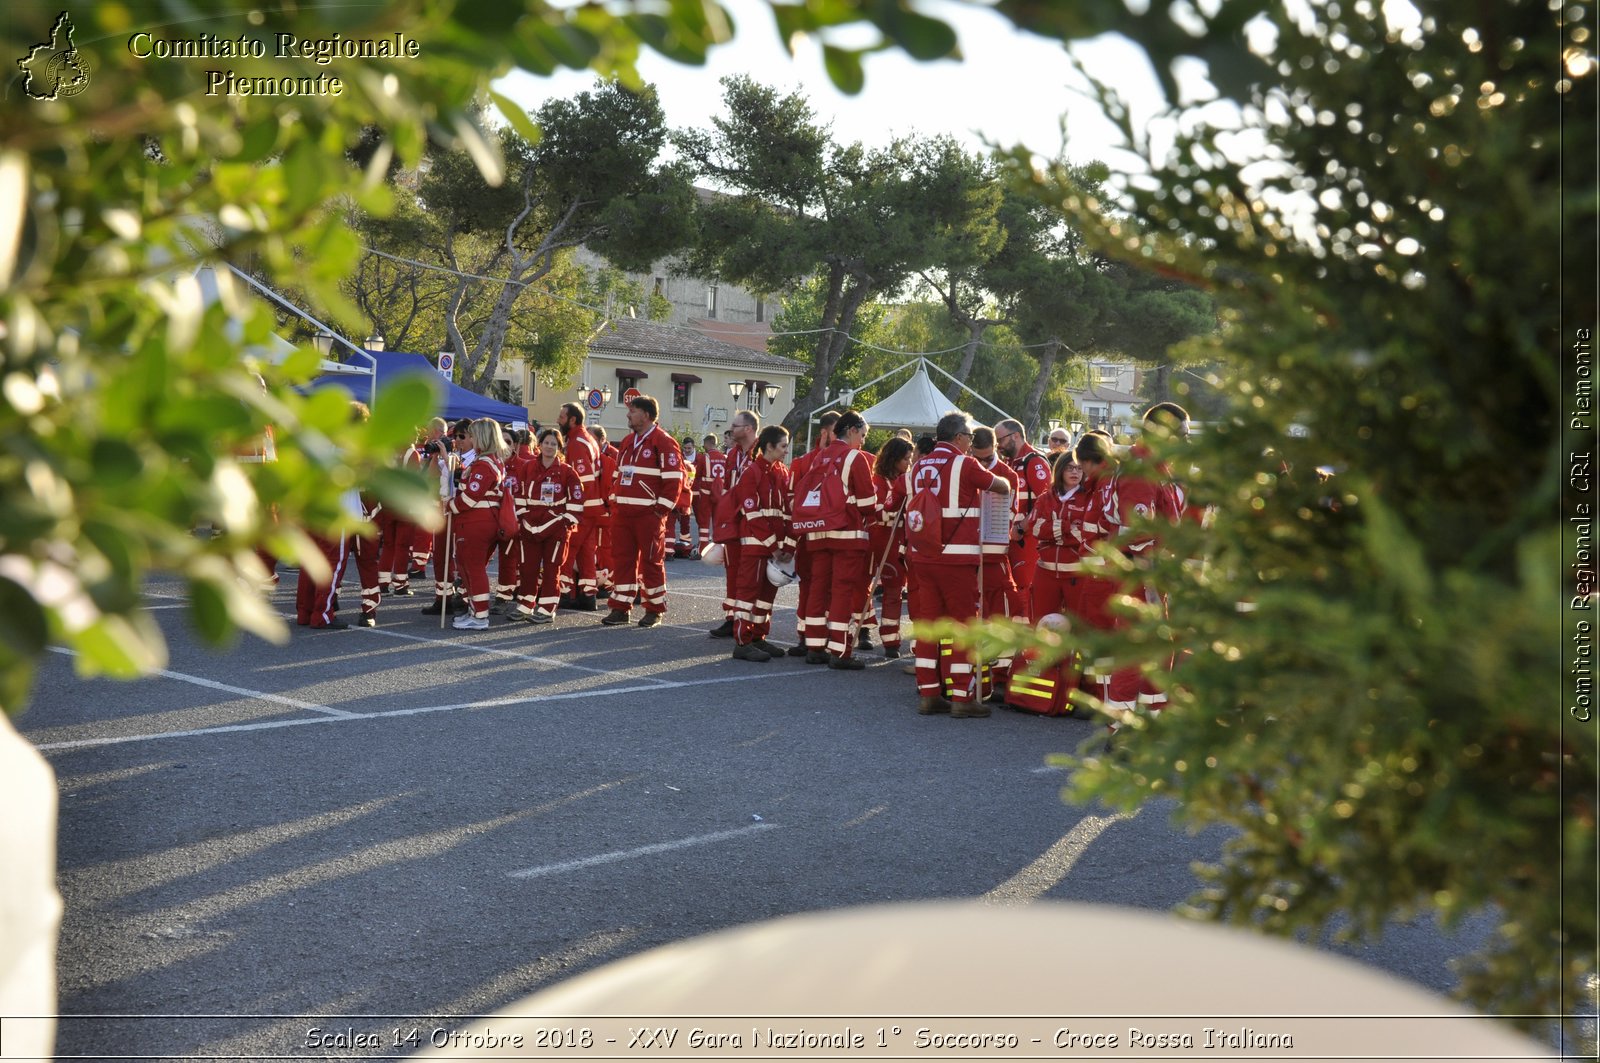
(630, 394)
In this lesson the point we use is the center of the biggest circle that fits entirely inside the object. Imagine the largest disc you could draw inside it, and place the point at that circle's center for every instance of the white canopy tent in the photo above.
(915, 404)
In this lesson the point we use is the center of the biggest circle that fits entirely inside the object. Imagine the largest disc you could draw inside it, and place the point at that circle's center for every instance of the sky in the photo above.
(1012, 88)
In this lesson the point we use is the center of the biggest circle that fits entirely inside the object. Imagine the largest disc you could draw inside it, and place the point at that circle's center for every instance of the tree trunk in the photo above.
(969, 357)
(1041, 384)
(822, 360)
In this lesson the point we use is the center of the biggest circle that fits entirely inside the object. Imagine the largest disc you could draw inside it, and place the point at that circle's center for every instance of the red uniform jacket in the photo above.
(853, 466)
(549, 500)
(649, 472)
(1057, 523)
(1033, 481)
(959, 482)
(584, 457)
(707, 474)
(761, 500)
(479, 496)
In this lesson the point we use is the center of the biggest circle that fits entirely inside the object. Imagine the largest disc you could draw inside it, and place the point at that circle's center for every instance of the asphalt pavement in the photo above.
(360, 830)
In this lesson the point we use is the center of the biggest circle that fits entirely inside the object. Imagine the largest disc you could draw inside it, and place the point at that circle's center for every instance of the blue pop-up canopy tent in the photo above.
(458, 401)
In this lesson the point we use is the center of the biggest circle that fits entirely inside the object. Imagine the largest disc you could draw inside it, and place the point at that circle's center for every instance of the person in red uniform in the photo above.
(707, 483)
(316, 602)
(947, 485)
(508, 556)
(802, 555)
(578, 586)
(549, 505)
(475, 519)
(649, 475)
(680, 532)
(398, 537)
(1033, 480)
(760, 502)
(725, 530)
(1106, 519)
(607, 484)
(1056, 524)
(445, 469)
(887, 537)
(429, 446)
(999, 591)
(837, 542)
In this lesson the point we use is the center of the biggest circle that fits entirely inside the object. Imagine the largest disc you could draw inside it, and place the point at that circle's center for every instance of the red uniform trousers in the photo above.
(314, 602)
(540, 561)
(837, 592)
(365, 553)
(507, 560)
(476, 537)
(702, 520)
(444, 582)
(999, 596)
(421, 548)
(394, 557)
(802, 574)
(950, 592)
(638, 565)
(579, 568)
(733, 551)
(754, 596)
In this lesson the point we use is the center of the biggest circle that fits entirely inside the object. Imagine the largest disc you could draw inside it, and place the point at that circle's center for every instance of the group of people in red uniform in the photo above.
(969, 522)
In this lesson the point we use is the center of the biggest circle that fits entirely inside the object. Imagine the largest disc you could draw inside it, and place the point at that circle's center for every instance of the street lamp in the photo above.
(772, 391)
(323, 342)
(736, 388)
(375, 341)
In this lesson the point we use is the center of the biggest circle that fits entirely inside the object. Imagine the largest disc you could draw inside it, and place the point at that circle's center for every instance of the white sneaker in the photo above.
(468, 622)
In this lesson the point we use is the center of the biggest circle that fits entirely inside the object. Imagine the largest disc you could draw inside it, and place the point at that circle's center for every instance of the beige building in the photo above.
(698, 380)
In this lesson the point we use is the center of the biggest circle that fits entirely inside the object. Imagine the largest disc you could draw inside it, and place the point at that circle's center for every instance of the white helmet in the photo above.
(779, 575)
(713, 554)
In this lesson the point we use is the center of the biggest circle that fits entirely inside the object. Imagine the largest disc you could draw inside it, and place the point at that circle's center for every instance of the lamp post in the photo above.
(375, 341)
(323, 342)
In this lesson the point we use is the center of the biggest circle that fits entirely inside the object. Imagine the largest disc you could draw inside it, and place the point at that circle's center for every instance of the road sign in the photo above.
(595, 400)
(447, 363)
(630, 394)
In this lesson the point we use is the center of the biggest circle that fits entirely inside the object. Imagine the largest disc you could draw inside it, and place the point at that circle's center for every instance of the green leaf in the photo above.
(119, 647)
(208, 607)
(844, 69)
(922, 37)
(517, 117)
(22, 620)
(402, 405)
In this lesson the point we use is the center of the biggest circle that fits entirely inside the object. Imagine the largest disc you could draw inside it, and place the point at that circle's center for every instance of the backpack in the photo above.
(924, 521)
(506, 522)
(819, 500)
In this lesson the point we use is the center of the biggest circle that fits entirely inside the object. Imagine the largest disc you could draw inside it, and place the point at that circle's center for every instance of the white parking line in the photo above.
(1039, 877)
(644, 850)
(457, 644)
(343, 716)
(212, 684)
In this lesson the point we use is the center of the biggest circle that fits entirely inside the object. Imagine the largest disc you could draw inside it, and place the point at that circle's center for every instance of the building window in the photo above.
(711, 301)
(626, 383)
(761, 309)
(661, 284)
(680, 394)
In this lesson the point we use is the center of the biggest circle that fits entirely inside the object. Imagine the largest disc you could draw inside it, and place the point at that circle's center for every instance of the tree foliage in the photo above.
(796, 204)
(479, 269)
(1370, 685)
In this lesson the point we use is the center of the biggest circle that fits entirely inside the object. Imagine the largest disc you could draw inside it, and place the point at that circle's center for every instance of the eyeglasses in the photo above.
(998, 438)
(1059, 439)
